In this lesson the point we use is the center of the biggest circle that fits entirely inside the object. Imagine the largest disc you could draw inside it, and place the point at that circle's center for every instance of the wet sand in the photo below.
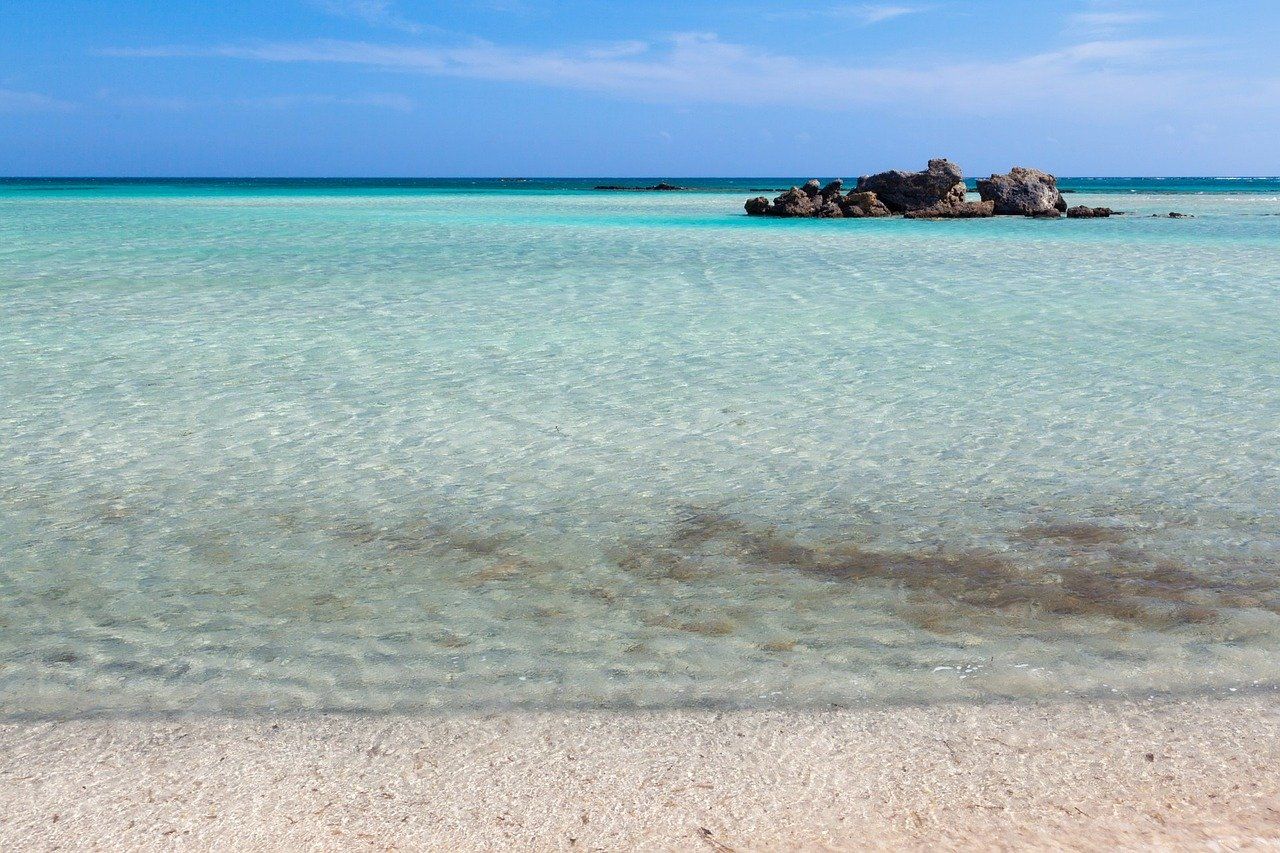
(1076, 775)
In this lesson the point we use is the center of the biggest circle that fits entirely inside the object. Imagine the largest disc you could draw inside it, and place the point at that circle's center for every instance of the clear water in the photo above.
(437, 445)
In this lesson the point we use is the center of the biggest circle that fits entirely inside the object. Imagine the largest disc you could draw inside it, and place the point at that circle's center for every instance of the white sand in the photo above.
(1051, 776)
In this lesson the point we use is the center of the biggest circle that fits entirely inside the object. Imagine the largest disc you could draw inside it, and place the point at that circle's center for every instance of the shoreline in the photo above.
(1082, 775)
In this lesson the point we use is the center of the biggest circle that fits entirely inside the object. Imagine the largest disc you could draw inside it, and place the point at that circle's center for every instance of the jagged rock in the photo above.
(794, 202)
(815, 200)
(963, 210)
(941, 184)
(828, 210)
(1082, 212)
(1022, 192)
(859, 204)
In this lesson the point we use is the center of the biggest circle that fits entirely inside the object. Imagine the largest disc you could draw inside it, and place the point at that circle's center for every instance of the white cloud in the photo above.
(14, 101)
(374, 13)
(874, 13)
(700, 68)
(1106, 23)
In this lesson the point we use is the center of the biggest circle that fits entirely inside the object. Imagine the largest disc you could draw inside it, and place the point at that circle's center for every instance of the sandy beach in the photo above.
(1076, 775)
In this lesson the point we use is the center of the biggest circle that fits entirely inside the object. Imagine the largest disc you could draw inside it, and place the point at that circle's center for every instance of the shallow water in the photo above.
(432, 447)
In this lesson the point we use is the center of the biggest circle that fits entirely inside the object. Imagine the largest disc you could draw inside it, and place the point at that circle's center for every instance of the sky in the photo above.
(640, 88)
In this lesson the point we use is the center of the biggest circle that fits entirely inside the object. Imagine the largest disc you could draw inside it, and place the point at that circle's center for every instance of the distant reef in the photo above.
(938, 192)
(656, 188)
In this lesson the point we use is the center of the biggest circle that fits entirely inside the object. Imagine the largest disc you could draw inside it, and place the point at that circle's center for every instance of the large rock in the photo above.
(1023, 192)
(941, 185)
(963, 210)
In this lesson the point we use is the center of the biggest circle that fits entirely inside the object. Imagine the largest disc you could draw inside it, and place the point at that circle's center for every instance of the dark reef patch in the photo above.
(951, 590)
(1073, 532)
(422, 537)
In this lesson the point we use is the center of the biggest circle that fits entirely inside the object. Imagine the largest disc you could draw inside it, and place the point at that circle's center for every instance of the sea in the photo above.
(454, 445)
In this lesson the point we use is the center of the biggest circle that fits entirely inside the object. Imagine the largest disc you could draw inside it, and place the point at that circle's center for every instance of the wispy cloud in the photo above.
(1100, 19)
(1106, 24)
(373, 13)
(701, 68)
(382, 100)
(14, 101)
(865, 14)
(875, 13)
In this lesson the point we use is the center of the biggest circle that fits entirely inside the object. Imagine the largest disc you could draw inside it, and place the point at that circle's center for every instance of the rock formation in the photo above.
(936, 193)
(963, 210)
(1023, 192)
(941, 185)
(815, 200)
(1082, 212)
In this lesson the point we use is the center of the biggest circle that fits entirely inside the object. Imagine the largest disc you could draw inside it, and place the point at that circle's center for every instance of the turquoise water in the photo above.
(443, 445)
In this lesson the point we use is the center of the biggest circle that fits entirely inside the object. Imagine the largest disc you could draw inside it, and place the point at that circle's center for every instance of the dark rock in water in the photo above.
(1045, 214)
(660, 187)
(1082, 212)
(794, 202)
(963, 210)
(858, 204)
(828, 210)
(1175, 215)
(940, 185)
(815, 200)
(1022, 192)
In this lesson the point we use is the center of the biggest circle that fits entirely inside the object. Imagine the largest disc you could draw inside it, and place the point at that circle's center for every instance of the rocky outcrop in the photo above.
(936, 193)
(815, 200)
(1082, 212)
(941, 185)
(1023, 192)
(963, 210)
(858, 204)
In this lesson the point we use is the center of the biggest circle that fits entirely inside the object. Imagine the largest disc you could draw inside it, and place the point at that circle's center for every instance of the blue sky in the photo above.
(587, 87)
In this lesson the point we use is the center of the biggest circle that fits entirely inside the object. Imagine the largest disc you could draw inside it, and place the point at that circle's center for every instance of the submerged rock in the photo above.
(942, 184)
(963, 210)
(1023, 192)
(1082, 212)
